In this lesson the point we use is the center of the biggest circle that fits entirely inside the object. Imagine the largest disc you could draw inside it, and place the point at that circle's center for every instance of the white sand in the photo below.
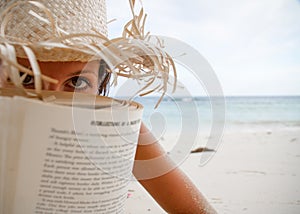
(252, 172)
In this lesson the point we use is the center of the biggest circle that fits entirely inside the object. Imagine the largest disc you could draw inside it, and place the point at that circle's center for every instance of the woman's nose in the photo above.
(51, 87)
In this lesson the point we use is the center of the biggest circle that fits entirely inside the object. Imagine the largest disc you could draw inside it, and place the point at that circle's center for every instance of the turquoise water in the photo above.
(285, 110)
(238, 110)
(184, 123)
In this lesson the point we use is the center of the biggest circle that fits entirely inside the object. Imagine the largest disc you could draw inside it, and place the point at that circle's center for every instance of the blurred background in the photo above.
(253, 48)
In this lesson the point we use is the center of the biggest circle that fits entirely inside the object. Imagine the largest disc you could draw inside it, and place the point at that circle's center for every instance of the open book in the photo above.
(70, 153)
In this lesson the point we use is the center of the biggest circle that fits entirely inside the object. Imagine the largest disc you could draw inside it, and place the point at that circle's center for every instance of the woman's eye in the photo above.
(78, 83)
(28, 80)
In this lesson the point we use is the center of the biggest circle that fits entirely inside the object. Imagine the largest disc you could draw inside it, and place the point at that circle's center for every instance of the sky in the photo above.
(252, 46)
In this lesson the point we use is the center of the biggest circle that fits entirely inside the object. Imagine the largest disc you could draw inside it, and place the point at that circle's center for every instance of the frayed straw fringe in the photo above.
(131, 56)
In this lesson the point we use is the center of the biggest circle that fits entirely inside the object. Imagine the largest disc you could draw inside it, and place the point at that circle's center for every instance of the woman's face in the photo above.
(71, 76)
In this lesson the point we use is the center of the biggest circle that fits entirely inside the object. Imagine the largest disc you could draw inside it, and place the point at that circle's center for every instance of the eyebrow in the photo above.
(77, 73)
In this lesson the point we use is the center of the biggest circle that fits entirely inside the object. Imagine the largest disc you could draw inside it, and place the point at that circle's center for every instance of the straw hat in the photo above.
(76, 30)
(34, 23)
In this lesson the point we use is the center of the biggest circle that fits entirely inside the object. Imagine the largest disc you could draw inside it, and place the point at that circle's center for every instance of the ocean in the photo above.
(194, 115)
(238, 110)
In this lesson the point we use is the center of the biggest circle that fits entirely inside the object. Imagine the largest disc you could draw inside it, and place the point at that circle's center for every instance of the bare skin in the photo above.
(173, 190)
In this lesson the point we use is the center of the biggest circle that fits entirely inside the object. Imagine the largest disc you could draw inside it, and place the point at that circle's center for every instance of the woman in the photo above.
(66, 59)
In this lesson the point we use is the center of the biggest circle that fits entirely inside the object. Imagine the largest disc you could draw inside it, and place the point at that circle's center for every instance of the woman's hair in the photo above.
(104, 78)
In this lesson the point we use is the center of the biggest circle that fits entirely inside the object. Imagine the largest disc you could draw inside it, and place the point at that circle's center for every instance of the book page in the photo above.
(74, 160)
(5, 103)
(13, 139)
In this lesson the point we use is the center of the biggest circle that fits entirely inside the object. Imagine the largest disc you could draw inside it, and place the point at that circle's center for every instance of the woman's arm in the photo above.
(173, 190)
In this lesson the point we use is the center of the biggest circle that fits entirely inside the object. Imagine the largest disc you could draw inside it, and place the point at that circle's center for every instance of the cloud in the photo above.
(238, 37)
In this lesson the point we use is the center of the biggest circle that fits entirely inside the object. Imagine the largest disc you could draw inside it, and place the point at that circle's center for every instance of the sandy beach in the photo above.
(253, 171)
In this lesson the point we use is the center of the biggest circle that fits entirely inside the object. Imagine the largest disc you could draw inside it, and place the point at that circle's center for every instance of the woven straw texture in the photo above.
(30, 24)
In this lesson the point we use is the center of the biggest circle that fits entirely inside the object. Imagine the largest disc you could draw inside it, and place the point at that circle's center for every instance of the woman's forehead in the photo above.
(64, 67)
(26, 62)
